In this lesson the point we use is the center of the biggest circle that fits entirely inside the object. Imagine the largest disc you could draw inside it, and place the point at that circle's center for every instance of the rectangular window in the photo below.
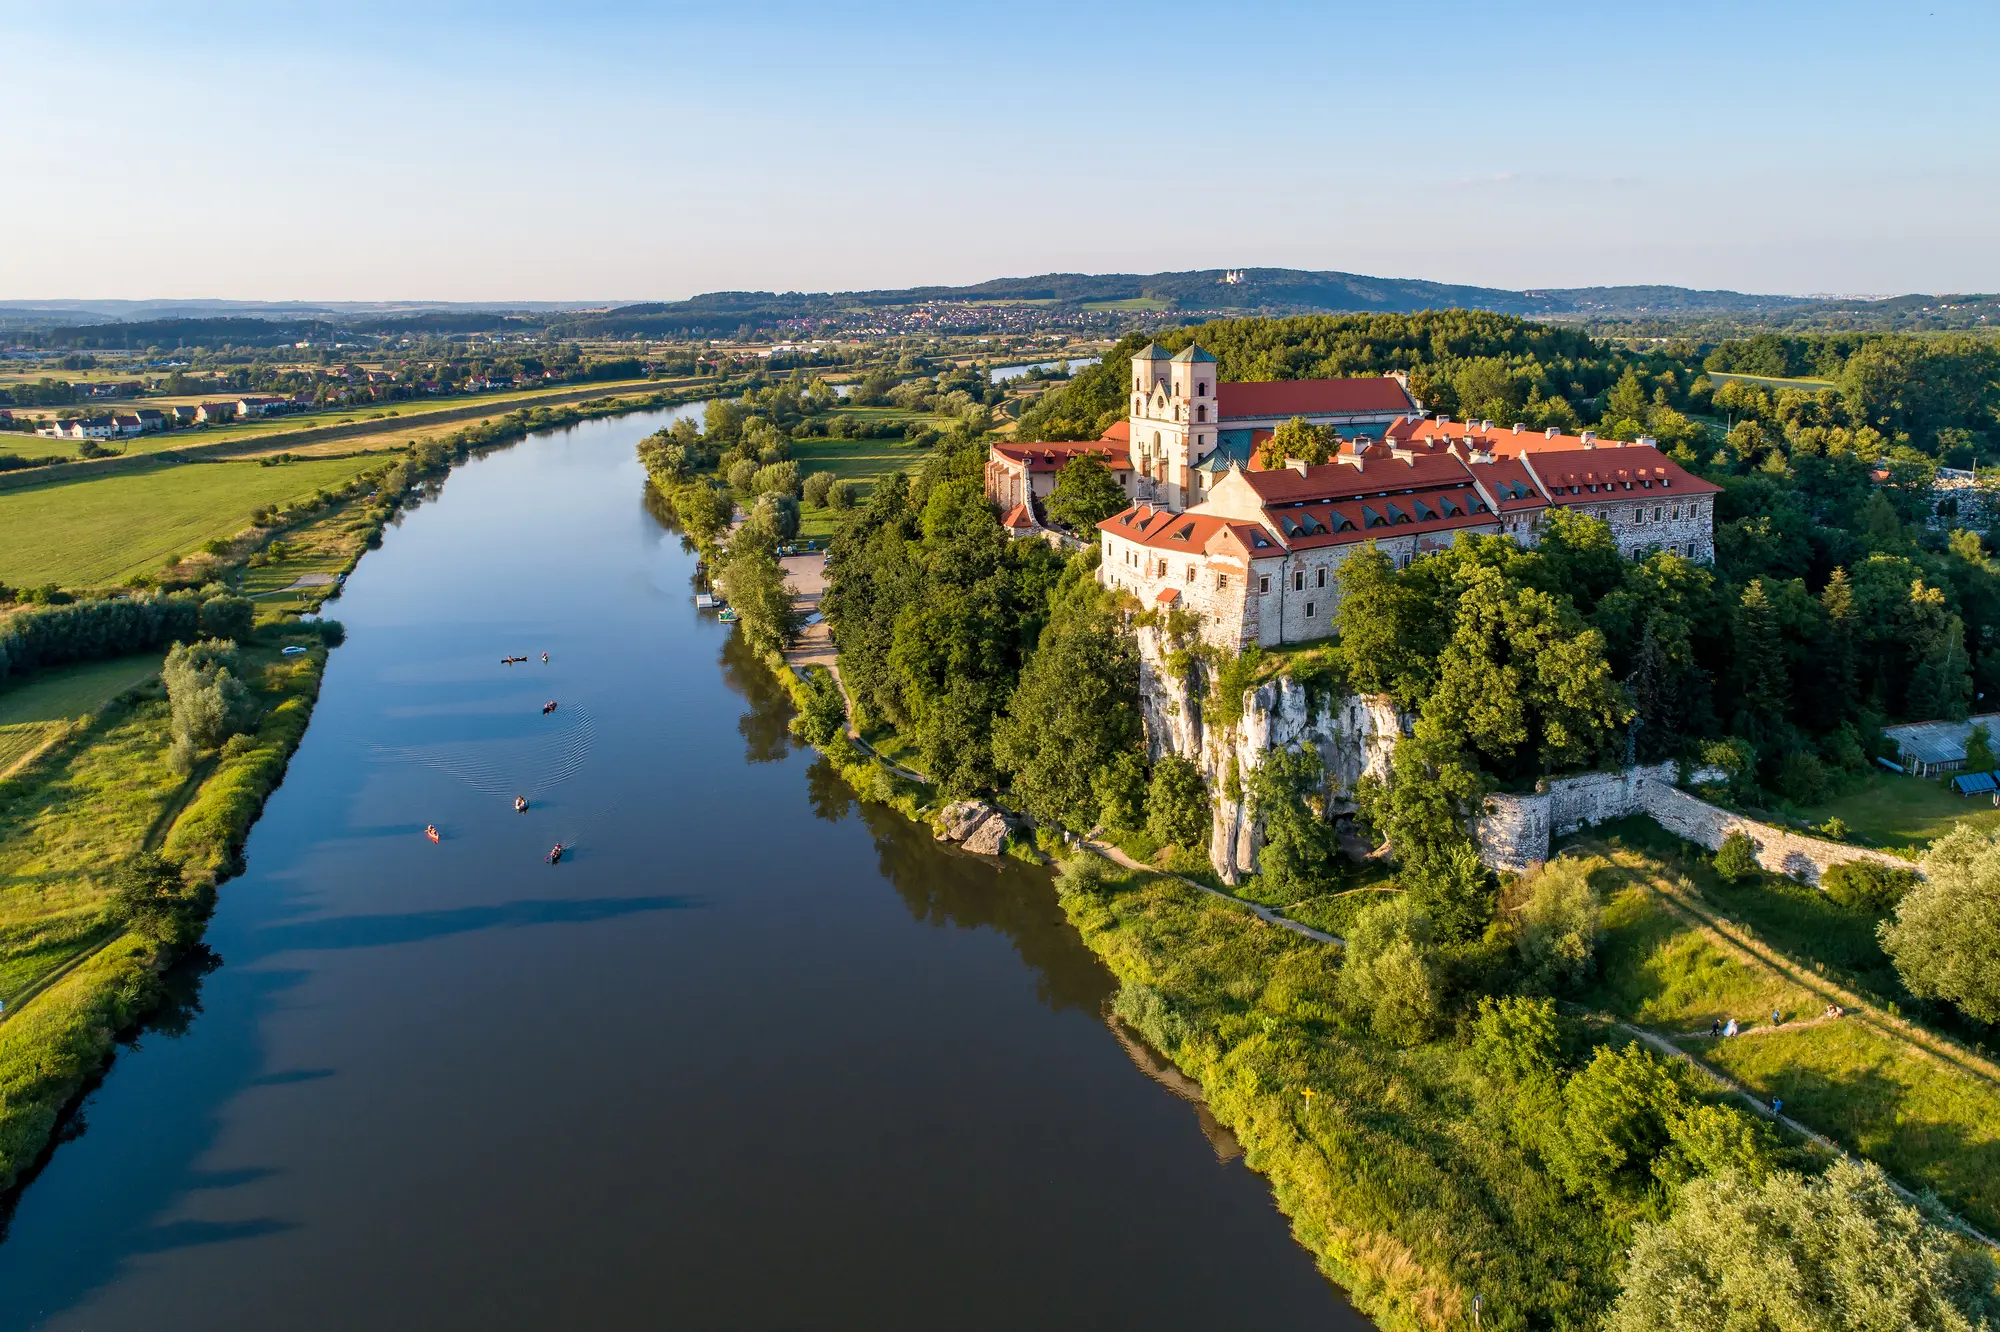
(1299, 580)
(1657, 511)
(1221, 582)
(1190, 576)
(1309, 610)
(1264, 583)
(1320, 578)
(1638, 515)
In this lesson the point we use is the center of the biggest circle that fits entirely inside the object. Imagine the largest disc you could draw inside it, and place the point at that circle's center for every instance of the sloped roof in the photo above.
(1583, 476)
(1019, 519)
(1192, 353)
(1050, 457)
(1311, 397)
(1152, 351)
(1283, 485)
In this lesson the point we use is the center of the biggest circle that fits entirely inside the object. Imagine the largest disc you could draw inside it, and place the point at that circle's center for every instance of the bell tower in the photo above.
(1174, 421)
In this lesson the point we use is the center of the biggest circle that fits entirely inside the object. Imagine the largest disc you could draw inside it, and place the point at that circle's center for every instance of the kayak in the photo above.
(431, 832)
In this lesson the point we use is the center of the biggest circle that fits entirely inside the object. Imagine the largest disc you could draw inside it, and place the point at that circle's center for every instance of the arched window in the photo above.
(1201, 412)
(1156, 439)
(1201, 390)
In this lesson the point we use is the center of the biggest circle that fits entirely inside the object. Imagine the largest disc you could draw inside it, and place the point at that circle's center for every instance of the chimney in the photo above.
(1519, 427)
(1589, 438)
(1649, 441)
(1551, 432)
(1297, 465)
(1485, 427)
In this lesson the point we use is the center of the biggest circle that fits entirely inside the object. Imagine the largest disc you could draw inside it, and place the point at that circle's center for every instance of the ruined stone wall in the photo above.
(1516, 830)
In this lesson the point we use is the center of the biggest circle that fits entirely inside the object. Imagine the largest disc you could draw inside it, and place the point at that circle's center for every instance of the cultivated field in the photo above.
(98, 532)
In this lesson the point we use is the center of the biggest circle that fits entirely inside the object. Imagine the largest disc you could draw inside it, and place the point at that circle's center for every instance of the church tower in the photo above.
(1174, 421)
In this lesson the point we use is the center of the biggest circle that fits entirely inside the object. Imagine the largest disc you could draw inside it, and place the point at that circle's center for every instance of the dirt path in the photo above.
(1266, 914)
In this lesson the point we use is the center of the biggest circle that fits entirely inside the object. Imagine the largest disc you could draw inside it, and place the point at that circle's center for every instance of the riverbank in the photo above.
(88, 792)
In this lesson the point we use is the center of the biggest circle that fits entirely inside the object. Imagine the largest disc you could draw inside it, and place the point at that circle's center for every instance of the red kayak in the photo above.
(430, 831)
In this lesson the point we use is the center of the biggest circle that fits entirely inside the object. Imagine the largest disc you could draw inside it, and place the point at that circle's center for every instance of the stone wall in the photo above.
(1516, 830)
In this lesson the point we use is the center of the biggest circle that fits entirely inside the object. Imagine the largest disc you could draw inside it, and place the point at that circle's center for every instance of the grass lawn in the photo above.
(1772, 381)
(1888, 810)
(1129, 303)
(1927, 1123)
(38, 708)
(1930, 1120)
(96, 532)
(64, 822)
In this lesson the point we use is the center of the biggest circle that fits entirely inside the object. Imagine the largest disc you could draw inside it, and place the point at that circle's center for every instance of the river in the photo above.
(753, 1056)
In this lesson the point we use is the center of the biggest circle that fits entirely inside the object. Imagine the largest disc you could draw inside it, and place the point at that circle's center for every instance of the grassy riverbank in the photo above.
(72, 970)
(86, 780)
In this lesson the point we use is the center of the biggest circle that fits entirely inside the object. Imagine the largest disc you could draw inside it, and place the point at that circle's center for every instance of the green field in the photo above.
(1888, 810)
(1772, 381)
(95, 533)
(1129, 303)
(1872, 1082)
(37, 709)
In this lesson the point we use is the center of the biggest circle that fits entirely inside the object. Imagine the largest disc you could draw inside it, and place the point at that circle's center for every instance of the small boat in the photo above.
(509, 661)
(556, 853)
(431, 831)
(726, 616)
(545, 659)
(520, 804)
(548, 707)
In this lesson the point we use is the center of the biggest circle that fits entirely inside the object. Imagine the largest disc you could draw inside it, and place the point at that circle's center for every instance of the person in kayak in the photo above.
(520, 804)
(431, 831)
(545, 658)
(548, 707)
(556, 854)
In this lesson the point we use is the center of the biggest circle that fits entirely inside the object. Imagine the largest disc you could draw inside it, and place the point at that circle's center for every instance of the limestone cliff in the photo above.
(1354, 734)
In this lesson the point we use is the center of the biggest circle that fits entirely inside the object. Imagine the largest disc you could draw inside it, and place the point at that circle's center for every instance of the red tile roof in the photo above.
(1019, 519)
(1285, 485)
(1310, 397)
(1569, 475)
(1040, 457)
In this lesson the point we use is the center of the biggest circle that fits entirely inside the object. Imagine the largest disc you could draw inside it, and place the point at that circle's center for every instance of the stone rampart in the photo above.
(1517, 830)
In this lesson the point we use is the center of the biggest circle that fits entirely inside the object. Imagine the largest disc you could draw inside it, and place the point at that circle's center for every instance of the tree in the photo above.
(1559, 927)
(1736, 858)
(822, 714)
(840, 495)
(1121, 792)
(1389, 631)
(1945, 935)
(152, 896)
(1979, 750)
(208, 704)
(1300, 439)
(1296, 858)
(816, 487)
(1086, 493)
(1389, 972)
(228, 617)
(1074, 711)
(1840, 1253)
(1177, 804)
(755, 585)
(1761, 683)
(1424, 812)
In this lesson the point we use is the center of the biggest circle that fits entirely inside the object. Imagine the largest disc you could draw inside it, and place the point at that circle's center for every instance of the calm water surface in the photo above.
(754, 1057)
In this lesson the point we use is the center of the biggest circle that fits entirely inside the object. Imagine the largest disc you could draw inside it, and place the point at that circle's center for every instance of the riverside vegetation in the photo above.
(1457, 1107)
(142, 727)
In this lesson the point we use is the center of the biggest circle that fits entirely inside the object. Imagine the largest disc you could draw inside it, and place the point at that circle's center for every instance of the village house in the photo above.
(1257, 558)
(214, 413)
(261, 405)
(185, 414)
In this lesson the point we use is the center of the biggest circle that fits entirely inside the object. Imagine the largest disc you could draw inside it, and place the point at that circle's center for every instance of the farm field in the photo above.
(1772, 381)
(97, 532)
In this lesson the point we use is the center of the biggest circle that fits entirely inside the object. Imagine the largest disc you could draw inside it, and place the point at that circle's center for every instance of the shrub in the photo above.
(1121, 787)
(1389, 975)
(152, 897)
(228, 617)
(822, 711)
(840, 495)
(1803, 779)
(1866, 885)
(209, 703)
(816, 487)
(1559, 928)
(778, 478)
(1842, 1250)
(1736, 858)
(742, 475)
(1086, 872)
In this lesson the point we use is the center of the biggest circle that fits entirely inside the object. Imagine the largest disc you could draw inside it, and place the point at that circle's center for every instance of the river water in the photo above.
(753, 1056)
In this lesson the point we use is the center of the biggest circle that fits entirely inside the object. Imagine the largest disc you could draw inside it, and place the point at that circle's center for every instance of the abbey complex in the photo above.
(1255, 551)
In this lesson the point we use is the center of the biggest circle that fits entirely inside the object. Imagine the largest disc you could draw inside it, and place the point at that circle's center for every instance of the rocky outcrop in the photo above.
(1354, 734)
(979, 826)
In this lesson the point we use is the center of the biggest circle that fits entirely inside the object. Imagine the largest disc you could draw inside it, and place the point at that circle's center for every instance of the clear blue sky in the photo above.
(598, 150)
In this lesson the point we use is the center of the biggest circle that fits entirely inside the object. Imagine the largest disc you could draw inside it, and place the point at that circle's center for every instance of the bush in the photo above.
(1559, 928)
(228, 617)
(209, 703)
(1842, 1250)
(840, 495)
(152, 897)
(1086, 872)
(1389, 975)
(780, 478)
(815, 488)
(742, 475)
(1736, 858)
(1121, 787)
(1803, 779)
(822, 711)
(1177, 804)
(1866, 885)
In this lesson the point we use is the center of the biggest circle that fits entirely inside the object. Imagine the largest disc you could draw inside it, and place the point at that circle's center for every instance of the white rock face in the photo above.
(1353, 734)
